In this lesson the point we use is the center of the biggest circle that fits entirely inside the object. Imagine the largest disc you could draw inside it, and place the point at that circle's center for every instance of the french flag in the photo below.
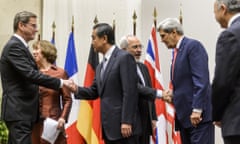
(71, 67)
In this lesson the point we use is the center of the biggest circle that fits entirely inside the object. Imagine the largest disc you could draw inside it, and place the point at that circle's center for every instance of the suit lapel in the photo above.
(98, 77)
(32, 61)
(179, 54)
(142, 73)
(109, 67)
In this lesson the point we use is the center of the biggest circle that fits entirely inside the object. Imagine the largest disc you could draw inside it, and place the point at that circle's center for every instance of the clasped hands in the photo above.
(70, 85)
(167, 95)
(195, 117)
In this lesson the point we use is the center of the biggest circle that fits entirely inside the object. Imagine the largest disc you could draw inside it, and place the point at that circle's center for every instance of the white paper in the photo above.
(50, 131)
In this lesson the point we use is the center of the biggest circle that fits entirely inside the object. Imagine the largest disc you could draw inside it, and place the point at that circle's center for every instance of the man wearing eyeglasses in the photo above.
(20, 79)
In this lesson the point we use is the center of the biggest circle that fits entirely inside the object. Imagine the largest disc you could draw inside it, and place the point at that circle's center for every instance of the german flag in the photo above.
(89, 122)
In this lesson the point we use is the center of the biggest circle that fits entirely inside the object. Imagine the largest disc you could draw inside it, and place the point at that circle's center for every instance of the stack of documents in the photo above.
(50, 131)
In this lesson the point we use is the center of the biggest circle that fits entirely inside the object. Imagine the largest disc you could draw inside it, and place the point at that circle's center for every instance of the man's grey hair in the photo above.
(23, 17)
(123, 43)
(233, 6)
(170, 24)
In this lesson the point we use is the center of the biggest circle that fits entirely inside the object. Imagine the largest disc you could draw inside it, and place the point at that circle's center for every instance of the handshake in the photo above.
(167, 96)
(70, 85)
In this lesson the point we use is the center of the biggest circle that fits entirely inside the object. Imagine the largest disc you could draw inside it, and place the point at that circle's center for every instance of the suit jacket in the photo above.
(53, 104)
(117, 91)
(147, 108)
(191, 85)
(20, 80)
(226, 84)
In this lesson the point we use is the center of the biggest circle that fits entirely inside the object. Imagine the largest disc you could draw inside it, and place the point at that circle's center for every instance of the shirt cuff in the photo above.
(61, 83)
(197, 110)
(159, 93)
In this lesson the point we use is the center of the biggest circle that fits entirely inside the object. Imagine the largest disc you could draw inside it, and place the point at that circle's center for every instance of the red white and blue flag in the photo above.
(164, 133)
(71, 67)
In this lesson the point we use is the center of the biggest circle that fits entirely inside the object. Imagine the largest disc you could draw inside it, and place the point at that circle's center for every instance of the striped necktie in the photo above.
(103, 67)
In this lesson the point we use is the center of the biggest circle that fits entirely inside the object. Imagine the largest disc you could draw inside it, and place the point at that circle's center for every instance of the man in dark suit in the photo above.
(226, 85)
(147, 108)
(191, 85)
(20, 79)
(117, 87)
(146, 93)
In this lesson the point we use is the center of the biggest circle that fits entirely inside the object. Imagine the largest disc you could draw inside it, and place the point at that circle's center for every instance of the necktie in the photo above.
(103, 68)
(174, 59)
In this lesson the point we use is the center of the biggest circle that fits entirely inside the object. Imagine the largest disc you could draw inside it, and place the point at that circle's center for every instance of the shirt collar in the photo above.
(233, 18)
(21, 39)
(179, 42)
(109, 52)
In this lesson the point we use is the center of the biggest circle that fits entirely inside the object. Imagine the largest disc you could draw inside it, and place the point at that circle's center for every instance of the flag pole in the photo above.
(114, 26)
(155, 17)
(134, 22)
(39, 34)
(72, 23)
(180, 15)
(53, 30)
(95, 21)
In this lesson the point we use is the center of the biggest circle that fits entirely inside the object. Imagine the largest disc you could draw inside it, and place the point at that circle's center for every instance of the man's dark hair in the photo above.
(103, 29)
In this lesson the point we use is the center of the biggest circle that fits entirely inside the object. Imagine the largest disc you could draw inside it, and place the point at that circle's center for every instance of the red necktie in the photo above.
(174, 59)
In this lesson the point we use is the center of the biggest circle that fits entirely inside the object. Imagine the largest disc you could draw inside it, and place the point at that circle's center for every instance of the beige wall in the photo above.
(8, 8)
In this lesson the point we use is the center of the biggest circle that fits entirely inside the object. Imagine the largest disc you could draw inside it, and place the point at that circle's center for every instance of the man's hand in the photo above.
(154, 124)
(167, 96)
(217, 123)
(195, 118)
(70, 85)
(126, 130)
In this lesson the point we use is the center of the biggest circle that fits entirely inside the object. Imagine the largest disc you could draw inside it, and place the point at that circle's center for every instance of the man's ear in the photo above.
(224, 8)
(21, 25)
(105, 38)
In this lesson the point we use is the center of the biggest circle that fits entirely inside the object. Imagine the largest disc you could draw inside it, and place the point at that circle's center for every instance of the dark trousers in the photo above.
(144, 139)
(202, 134)
(129, 140)
(232, 139)
(19, 132)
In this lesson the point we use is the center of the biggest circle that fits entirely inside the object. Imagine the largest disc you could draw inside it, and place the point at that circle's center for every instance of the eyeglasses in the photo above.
(137, 46)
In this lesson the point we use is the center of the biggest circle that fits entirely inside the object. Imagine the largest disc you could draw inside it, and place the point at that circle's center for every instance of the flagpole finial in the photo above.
(155, 16)
(95, 20)
(180, 15)
(134, 22)
(114, 26)
(114, 20)
(72, 23)
(39, 34)
(53, 26)
(53, 31)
